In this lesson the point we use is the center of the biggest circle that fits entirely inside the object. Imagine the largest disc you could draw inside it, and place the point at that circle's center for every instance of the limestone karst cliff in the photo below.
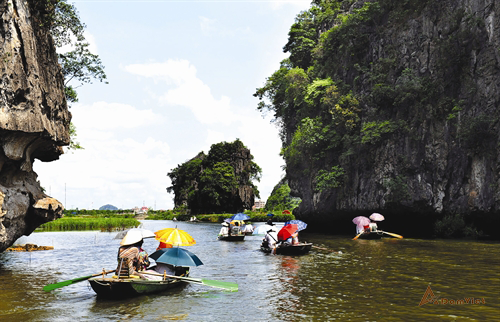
(34, 117)
(392, 107)
(217, 182)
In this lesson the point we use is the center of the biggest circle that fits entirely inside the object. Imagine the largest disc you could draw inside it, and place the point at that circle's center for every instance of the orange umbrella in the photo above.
(174, 237)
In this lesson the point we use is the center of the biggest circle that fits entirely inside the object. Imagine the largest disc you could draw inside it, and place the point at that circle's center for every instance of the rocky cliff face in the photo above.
(430, 152)
(219, 182)
(34, 118)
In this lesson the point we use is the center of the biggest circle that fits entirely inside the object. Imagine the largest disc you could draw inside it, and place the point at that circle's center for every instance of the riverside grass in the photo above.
(102, 224)
(216, 218)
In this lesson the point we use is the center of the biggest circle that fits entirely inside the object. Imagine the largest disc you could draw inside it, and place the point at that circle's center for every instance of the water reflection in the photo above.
(370, 280)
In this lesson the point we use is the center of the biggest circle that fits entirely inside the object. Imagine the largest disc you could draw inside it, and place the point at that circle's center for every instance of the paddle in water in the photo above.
(50, 287)
(393, 235)
(361, 233)
(230, 286)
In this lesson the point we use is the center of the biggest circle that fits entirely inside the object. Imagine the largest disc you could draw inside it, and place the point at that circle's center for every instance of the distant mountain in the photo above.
(108, 207)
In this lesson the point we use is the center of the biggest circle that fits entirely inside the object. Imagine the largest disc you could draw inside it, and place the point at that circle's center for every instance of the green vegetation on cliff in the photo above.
(221, 181)
(280, 198)
(348, 86)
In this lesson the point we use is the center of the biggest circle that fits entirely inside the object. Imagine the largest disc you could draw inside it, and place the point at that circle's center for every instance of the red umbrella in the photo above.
(287, 231)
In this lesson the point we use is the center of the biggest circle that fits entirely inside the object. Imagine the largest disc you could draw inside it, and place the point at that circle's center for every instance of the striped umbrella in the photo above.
(174, 237)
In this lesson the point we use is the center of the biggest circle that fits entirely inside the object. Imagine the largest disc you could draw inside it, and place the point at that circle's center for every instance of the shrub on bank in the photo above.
(80, 223)
(455, 226)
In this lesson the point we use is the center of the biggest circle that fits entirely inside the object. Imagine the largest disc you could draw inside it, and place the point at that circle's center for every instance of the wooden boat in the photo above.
(115, 287)
(239, 237)
(285, 249)
(371, 235)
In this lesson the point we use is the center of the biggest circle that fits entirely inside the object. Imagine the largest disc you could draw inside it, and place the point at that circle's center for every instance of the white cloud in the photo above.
(109, 116)
(92, 43)
(88, 37)
(115, 166)
(299, 4)
(213, 137)
(188, 91)
(207, 25)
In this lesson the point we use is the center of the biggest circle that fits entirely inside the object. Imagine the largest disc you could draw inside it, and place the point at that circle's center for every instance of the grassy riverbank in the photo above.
(255, 216)
(89, 223)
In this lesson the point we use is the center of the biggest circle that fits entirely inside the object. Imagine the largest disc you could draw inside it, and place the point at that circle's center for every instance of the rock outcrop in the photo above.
(423, 141)
(220, 182)
(34, 117)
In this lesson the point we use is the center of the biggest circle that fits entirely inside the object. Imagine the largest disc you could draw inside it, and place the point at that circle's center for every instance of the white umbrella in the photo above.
(376, 217)
(263, 229)
(145, 233)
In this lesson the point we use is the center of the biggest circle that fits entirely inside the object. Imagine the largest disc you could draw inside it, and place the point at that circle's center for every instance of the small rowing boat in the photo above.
(284, 249)
(371, 235)
(376, 234)
(239, 237)
(115, 287)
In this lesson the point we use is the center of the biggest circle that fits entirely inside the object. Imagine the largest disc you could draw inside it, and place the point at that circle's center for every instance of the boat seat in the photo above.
(122, 271)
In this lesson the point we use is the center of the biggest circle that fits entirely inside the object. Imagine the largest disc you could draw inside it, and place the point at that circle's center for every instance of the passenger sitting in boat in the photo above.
(131, 257)
(163, 245)
(248, 228)
(271, 238)
(224, 231)
(143, 260)
(373, 227)
(236, 229)
(292, 240)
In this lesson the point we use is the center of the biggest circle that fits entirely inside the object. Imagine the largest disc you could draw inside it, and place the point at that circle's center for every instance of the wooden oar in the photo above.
(50, 287)
(392, 234)
(233, 287)
(361, 233)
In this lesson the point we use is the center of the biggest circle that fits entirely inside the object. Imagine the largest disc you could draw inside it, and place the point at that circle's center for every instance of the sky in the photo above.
(181, 75)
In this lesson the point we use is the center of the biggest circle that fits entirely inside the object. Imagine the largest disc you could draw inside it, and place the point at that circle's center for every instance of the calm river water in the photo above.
(379, 280)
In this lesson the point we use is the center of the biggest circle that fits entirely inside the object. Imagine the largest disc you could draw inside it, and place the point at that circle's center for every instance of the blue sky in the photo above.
(181, 77)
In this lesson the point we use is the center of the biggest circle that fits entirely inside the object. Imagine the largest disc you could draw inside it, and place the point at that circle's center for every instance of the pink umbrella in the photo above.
(361, 221)
(376, 217)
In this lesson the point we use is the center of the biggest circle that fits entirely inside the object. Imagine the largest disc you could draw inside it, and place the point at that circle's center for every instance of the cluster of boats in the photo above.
(277, 240)
(282, 243)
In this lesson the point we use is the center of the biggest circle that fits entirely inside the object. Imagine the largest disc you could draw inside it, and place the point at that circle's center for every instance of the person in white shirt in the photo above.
(271, 238)
(224, 231)
(248, 229)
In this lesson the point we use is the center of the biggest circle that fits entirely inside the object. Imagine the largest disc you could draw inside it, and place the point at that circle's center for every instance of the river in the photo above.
(370, 280)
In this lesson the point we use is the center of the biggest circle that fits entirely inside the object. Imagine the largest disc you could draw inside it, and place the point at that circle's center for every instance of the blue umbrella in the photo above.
(176, 256)
(300, 224)
(240, 216)
(270, 215)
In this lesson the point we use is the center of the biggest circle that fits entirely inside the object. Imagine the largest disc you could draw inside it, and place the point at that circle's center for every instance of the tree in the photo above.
(79, 65)
(280, 198)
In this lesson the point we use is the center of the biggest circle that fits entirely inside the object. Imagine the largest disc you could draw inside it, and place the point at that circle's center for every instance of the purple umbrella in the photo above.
(376, 217)
(361, 221)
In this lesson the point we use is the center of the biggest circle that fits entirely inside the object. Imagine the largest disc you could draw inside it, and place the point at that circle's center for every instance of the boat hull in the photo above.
(371, 235)
(232, 238)
(130, 287)
(300, 249)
